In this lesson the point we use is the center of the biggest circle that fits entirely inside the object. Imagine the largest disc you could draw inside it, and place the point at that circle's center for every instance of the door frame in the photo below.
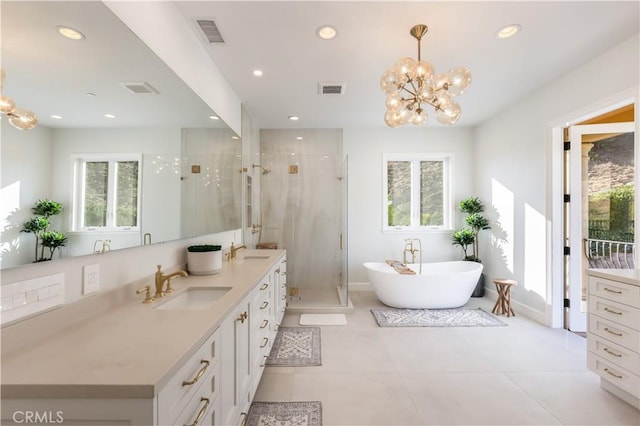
(555, 311)
(577, 319)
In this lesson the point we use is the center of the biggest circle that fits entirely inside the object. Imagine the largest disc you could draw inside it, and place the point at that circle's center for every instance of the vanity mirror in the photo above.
(101, 98)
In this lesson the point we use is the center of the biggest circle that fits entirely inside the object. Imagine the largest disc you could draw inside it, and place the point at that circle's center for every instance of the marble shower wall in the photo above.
(303, 211)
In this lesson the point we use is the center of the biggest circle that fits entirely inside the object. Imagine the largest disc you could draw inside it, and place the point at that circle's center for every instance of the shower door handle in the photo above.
(341, 241)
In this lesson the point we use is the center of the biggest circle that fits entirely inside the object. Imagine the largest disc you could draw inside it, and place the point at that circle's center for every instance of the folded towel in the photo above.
(400, 267)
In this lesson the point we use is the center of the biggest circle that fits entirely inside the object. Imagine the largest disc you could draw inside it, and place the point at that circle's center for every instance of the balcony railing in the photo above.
(609, 254)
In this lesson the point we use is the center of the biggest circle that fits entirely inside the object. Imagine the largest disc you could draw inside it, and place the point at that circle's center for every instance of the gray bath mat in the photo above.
(295, 347)
(307, 413)
(457, 317)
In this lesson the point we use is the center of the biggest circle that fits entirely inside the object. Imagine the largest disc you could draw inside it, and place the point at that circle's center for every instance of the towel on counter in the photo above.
(400, 267)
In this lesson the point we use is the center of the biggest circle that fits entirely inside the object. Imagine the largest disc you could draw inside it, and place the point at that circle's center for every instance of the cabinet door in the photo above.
(235, 364)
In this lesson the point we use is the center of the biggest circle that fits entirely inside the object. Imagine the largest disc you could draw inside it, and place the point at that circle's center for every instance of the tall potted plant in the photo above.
(468, 237)
(39, 227)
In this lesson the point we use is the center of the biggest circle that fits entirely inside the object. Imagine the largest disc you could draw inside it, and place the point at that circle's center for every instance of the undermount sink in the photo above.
(194, 298)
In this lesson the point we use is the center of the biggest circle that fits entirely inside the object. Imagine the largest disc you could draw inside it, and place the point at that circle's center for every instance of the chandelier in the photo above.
(19, 118)
(411, 84)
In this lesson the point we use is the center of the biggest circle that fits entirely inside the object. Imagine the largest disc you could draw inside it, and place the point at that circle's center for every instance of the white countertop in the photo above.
(131, 349)
(629, 276)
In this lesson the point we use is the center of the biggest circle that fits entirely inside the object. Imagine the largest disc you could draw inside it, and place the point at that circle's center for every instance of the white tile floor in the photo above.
(522, 374)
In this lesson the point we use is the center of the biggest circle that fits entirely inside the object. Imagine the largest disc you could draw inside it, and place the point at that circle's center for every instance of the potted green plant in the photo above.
(468, 237)
(39, 227)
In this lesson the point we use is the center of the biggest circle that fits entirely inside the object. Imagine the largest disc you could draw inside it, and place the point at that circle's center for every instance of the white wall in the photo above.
(364, 148)
(26, 171)
(512, 174)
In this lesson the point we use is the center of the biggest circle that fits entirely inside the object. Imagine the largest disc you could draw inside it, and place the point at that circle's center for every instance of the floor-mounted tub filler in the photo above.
(439, 285)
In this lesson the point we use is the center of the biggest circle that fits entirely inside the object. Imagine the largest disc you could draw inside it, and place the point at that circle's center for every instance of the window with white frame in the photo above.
(416, 193)
(107, 192)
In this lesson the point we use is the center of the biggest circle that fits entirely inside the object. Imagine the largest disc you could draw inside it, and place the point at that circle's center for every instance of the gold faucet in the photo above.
(162, 278)
(233, 250)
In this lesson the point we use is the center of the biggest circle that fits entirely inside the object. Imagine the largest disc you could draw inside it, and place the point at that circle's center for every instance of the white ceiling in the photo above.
(50, 75)
(279, 38)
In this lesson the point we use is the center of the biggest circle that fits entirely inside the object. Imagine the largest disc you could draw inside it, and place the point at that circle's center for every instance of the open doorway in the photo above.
(599, 210)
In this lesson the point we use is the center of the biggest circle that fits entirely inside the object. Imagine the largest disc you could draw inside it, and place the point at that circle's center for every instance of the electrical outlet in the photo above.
(91, 278)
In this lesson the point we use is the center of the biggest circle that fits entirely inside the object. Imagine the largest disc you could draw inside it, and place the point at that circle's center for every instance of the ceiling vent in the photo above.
(331, 88)
(210, 30)
(141, 88)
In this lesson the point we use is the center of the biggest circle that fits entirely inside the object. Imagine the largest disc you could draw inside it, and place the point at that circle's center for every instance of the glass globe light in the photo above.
(7, 106)
(440, 81)
(424, 70)
(394, 102)
(391, 119)
(407, 66)
(23, 119)
(459, 80)
(389, 82)
(419, 117)
(448, 113)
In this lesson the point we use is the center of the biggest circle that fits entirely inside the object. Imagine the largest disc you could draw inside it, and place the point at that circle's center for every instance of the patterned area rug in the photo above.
(285, 414)
(458, 317)
(295, 347)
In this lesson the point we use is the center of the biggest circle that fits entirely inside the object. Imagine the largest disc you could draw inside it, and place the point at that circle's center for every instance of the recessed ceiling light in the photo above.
(56, 117)
(214, 117)
(257, 73)
(70, 33)
(110, 116)
(235, 137)
(508, 31)
(294, 118)
(299, 138)
(326, 32)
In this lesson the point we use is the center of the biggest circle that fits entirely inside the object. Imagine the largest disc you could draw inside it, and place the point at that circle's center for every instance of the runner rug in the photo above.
(458, 317)
(295, 347)
(307, 413)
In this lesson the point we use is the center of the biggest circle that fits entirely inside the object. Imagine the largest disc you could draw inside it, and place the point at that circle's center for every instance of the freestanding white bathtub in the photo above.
(440, 285)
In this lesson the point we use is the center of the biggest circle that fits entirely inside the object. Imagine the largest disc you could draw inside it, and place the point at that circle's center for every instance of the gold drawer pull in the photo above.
(264, 363)
(265, 342)
(243, 316)
(264, 286)
(201, 412)
(612, 291)
(243, 420)
(612, 332)
(612, 311)
(264, 305)
(612, 374)
(200, 373)
(610, 352)
(278, 271)
(265, 323)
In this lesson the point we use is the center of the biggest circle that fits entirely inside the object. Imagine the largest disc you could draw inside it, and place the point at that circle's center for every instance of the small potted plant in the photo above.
(204, 259)
(468, 237)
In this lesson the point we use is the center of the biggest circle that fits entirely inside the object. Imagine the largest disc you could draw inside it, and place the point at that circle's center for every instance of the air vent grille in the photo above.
(140, 88)
(210, 30)
(331, 88)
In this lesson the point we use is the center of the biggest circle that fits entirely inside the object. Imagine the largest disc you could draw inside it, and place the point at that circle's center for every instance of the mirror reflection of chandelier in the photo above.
(410, 84)
(19, 118)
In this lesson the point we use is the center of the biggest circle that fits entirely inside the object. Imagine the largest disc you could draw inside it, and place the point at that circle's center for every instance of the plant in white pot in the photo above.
(204, 259)
(468, 237)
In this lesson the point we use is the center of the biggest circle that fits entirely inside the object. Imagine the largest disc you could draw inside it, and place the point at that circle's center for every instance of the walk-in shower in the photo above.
(304, 210)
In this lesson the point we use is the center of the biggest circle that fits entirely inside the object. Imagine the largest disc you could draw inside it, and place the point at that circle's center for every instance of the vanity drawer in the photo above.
(184, 386)
(616, 333)
(614, 311)
(619, 376)
(616, 354)
(614, 290)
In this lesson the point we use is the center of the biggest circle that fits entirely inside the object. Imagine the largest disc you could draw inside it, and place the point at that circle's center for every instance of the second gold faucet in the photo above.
(161, 278)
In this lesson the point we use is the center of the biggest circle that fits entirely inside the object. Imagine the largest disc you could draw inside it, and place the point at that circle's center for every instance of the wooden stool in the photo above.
(503, 304)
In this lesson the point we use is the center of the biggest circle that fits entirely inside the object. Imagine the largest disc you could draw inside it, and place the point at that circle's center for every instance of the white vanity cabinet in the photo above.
(191, 395)
(614, 331)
